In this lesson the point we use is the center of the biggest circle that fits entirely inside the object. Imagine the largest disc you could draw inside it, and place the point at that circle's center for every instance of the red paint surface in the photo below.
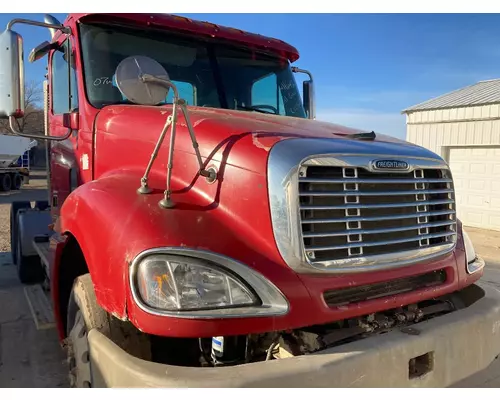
(199, 28)
(112, 223)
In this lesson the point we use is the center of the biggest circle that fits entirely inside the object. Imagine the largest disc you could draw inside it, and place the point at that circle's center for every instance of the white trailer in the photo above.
(12, 173)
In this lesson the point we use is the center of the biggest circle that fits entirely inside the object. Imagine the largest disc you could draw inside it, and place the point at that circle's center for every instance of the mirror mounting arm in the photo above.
(171, 121)
(298, 70)
(309, 102)
(62, 28)
(166, 202)
(13, 128)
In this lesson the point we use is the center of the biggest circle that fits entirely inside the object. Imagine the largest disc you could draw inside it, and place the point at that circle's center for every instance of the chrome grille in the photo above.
(351, 212)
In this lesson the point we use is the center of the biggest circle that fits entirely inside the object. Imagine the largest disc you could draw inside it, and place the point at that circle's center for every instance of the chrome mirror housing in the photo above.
(11, 75)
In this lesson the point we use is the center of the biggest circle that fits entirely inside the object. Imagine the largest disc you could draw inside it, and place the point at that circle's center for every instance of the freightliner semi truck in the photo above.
(203, 228)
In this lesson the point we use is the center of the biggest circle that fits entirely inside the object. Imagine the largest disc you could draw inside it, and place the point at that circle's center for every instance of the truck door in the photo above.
(63, 162)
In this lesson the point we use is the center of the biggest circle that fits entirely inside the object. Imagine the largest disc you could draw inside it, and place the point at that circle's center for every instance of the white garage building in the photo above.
(463, 127)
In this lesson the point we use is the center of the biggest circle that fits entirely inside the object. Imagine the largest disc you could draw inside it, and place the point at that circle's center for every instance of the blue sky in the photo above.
(367, 67)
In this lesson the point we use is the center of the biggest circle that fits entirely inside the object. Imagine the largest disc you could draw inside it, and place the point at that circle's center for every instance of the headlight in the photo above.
(474, 263)
(180, 283)
(188, 283)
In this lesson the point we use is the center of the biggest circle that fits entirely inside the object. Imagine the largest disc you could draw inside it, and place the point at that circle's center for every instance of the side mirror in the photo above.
(11, 75)
(309, 105)
(41, 51)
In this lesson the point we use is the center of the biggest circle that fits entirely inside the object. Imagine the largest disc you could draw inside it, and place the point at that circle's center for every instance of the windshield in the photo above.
(207, 74)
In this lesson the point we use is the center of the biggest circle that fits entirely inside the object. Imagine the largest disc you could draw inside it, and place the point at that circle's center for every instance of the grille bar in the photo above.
(375, 231)
(371, 181)
(348, 213)
(392, 193)
(378, 218)
(381, 243)
(380, 205)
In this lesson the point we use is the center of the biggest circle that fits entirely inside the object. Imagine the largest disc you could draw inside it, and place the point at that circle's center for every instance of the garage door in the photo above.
(476, 172)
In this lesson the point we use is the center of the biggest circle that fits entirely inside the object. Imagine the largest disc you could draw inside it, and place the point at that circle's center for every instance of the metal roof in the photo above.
(481, 93)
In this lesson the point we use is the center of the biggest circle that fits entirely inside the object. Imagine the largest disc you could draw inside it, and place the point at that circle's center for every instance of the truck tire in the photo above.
(5, 182)
(14, 208)
(17, 181)
(29, 269)
(85, 314)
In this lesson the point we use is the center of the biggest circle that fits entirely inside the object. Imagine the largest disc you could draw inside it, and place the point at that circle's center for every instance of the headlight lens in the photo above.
(180, 283)
(470, 253)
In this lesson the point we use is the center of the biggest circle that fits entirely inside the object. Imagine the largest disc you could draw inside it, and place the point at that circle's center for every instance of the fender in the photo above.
(113, 223)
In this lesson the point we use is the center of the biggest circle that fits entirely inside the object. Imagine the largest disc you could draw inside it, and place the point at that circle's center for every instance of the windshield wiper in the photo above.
(255, 109)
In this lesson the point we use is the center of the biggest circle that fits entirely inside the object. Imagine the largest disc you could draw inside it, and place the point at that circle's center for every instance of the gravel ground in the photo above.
(34, 191)
(29, 358)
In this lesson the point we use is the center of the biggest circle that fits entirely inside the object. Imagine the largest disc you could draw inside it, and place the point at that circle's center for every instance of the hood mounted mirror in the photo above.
(144, 81)
(130, 80)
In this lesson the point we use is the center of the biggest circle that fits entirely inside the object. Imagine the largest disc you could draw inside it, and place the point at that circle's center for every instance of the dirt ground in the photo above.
(29, 358)
(33, 358)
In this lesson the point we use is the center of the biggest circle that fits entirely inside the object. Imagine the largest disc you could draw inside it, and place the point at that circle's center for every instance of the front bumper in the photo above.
(458, 345)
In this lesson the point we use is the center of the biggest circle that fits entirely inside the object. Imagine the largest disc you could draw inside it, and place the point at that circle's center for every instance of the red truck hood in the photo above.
(216, 127)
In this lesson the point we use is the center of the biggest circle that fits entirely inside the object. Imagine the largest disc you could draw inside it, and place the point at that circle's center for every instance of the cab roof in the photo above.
(192, 26)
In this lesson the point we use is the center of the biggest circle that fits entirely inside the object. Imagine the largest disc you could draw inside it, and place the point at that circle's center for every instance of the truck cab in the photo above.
(200, 216)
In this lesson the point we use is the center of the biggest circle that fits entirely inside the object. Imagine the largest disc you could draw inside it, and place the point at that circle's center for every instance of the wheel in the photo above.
(29, 269)
(17, 182)
(84, 314)
(42, 205)
(5, 182)
(16, 205)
